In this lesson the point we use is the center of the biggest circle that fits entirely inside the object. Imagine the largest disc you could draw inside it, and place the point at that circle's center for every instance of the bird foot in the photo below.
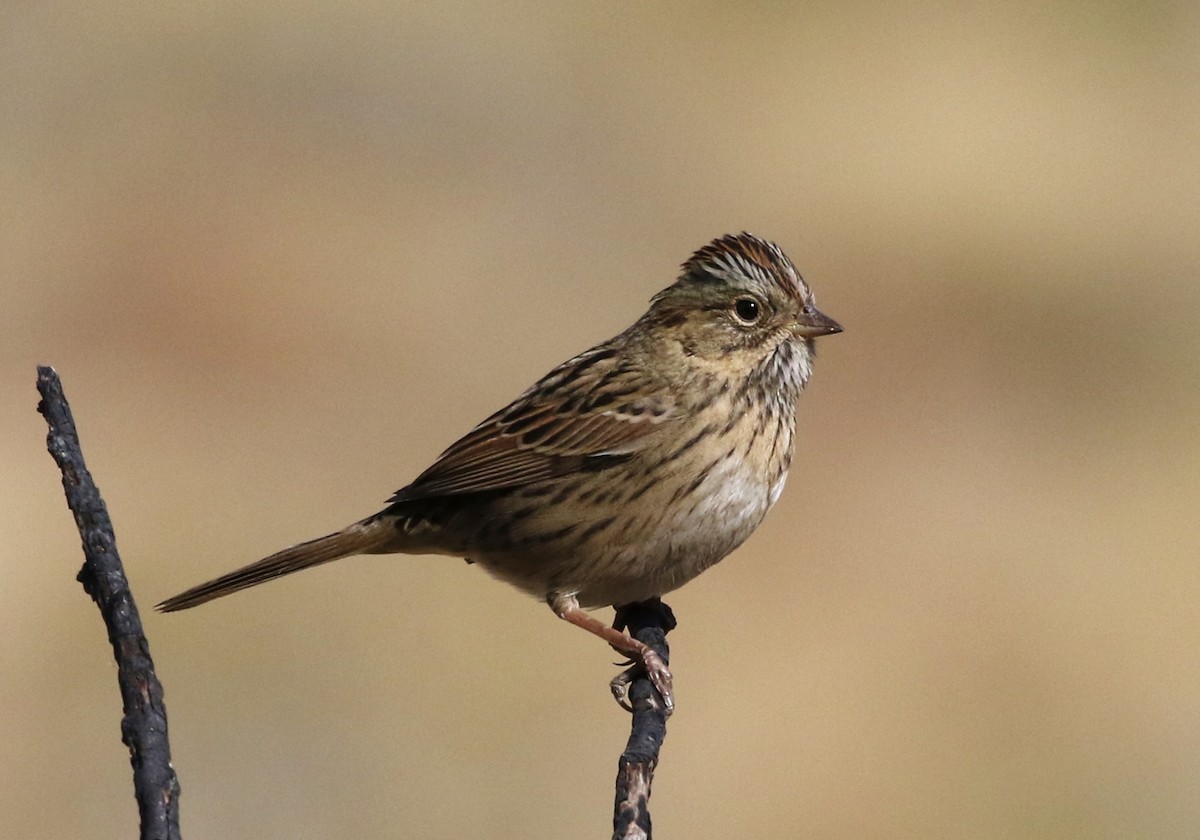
(643, 660)
(650, 665)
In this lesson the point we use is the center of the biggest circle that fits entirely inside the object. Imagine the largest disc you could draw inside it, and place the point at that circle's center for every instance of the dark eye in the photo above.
(747, 309)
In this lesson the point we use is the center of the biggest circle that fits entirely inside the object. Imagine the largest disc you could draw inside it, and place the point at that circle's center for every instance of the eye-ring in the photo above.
(747, 309)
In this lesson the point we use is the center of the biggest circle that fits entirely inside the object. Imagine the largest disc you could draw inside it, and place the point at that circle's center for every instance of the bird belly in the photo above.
(621, 551)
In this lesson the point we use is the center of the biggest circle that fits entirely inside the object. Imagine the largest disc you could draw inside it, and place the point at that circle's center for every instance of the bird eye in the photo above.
(747, 310)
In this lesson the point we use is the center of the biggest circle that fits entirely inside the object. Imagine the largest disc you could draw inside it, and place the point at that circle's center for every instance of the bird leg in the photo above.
(644, 659)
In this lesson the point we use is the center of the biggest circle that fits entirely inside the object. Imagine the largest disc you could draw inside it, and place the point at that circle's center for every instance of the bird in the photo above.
(624, 472)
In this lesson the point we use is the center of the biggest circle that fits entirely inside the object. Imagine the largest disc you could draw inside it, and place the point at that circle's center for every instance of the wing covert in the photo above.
(593, 406)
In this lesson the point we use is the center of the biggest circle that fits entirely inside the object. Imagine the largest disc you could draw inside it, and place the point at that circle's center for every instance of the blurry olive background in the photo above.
(283, 253)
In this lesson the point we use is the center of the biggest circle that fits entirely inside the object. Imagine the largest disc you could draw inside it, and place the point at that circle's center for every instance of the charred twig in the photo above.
(649, 622)
(144, 726)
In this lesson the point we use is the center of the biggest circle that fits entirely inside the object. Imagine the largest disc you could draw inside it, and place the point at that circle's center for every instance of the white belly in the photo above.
(688, 540)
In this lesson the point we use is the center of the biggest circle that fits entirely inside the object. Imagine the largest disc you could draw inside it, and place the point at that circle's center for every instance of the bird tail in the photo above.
(368, 536)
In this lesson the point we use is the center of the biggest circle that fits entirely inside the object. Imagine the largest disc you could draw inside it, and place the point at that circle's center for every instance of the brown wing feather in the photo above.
(592, 407)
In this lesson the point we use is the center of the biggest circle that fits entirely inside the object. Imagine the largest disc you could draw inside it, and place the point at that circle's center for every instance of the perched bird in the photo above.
(625, 471)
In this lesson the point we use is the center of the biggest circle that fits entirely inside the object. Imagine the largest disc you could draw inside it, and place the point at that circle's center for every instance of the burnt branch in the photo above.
(648, 622)
(144, 725)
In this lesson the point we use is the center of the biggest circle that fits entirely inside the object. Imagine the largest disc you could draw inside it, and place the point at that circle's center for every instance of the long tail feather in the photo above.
(371, 534)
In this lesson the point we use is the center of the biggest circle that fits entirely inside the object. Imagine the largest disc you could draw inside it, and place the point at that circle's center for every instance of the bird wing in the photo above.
(585, 413)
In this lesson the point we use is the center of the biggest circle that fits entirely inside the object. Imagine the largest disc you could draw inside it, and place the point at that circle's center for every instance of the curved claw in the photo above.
(653, 668)
(660, 677)
(620, 689)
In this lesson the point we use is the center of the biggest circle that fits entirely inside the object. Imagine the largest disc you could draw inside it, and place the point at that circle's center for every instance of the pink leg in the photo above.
(644, 658)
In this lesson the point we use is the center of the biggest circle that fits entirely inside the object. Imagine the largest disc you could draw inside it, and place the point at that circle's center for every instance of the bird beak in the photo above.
(813, 322)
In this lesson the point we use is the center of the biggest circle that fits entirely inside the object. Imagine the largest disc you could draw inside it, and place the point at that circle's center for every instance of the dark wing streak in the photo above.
(496, 472)
(536, 438)
(600, 434)
(571, 434)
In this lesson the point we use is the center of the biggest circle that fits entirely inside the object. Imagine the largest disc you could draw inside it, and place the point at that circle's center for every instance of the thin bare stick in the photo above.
(144, 725)
(648, 622)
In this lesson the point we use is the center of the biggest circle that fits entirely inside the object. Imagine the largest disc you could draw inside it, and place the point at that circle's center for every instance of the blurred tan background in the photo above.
(283, 253)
